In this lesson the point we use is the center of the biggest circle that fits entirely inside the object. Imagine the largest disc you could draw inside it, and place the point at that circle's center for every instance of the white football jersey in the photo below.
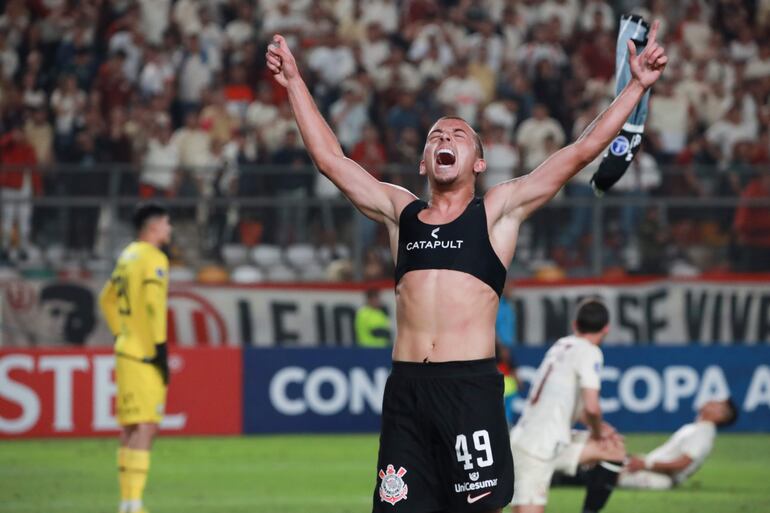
(694, 440)
(555, 400)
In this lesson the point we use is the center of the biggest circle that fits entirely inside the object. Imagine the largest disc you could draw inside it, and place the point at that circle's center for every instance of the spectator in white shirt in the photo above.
(159, 174)
(744, 47)
(194, 74)
(532, 134)
(282, 19)
(723, 134)
(349, 115)
(501, 156)
(185, 15)
(9, 58)
(241, 29)
(67, 103)
(669, 117)
(597, 16)
(492, 43)
(192, 143)
(332, 61)
(375, 47)
(156, 74)
(566, 11)
(462, 92)
(154, 19)
(212, 39)
(384, 12)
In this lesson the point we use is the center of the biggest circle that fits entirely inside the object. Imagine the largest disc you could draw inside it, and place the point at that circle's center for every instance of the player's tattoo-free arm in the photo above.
(108, 304)
(521, 196)
(671, 467)
(377, 200)
(592, 412)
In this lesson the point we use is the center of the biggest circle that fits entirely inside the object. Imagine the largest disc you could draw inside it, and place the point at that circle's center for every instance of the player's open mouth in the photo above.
(445, 157)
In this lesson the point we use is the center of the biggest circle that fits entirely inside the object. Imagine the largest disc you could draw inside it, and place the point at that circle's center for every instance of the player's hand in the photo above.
(280, 61)
(648, 65)
(607, 429)
(160, 360)
(635, 464)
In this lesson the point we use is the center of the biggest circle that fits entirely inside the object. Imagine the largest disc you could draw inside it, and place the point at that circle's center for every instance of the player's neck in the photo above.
(449, 199)
(148, 240)
(594, 338)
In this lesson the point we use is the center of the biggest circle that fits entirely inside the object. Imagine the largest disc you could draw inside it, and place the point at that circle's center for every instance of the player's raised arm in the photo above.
(375, 199)
(521, 196)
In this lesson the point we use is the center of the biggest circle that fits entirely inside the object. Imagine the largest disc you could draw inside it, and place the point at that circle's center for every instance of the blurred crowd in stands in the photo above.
(176, 96)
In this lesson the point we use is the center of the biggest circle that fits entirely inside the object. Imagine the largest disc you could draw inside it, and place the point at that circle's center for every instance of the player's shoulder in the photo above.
(151, 253)
(583, 347)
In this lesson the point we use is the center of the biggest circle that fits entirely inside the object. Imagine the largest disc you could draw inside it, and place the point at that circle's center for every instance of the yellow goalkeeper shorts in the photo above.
(141, 396)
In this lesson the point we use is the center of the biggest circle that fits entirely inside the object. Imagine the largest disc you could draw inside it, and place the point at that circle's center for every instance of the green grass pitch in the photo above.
(319, 474)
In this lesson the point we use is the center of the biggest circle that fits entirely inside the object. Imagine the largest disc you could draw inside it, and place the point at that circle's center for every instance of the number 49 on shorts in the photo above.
(481, 444)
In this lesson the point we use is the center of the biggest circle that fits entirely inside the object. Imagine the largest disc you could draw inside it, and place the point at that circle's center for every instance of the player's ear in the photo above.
(423, 169)
(479, 166)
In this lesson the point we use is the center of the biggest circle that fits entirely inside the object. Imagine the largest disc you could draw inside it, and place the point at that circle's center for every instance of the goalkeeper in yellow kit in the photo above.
(133, 303)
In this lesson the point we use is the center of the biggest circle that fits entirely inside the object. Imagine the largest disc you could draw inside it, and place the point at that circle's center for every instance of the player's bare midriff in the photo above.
(444, 316)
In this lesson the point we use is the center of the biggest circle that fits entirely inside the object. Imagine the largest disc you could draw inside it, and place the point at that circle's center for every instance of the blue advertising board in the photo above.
(643, 388)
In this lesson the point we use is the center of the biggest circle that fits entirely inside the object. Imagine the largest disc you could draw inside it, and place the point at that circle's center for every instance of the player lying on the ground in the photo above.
(565, 390)
(682, 454)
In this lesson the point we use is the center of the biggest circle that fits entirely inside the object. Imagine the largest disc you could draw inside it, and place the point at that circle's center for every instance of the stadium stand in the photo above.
(104, 101)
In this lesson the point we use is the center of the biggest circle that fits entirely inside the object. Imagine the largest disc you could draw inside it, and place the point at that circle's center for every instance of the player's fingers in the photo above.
(273, 49)
(278, 51)
(631, 48)
(279, 43)
(274, 61)
(652, 37)
(661, 62)
(655, 55)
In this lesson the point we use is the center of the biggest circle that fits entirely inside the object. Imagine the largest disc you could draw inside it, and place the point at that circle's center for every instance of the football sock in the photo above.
(601, 481)
(122, 480)
(137, 466)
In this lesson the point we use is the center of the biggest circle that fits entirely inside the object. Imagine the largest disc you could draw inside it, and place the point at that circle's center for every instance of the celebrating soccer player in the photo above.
(134, 305)
(444, 441)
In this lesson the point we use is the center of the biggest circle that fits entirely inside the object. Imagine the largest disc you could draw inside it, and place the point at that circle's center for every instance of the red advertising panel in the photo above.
(54, 393)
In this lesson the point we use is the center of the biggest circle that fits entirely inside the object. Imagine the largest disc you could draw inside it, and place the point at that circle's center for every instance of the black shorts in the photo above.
(444, 442)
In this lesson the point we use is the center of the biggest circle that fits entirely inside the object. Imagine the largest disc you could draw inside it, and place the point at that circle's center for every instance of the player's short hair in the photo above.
(592, 316)
(732, 416)
(476, 137)
(146, 211)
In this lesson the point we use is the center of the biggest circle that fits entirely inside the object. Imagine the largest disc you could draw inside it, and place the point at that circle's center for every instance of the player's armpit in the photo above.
(377, 200)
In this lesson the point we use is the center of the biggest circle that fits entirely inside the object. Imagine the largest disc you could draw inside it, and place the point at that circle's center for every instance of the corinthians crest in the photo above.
(392, 487)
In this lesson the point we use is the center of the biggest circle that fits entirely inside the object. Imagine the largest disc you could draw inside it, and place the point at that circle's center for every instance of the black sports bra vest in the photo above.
(460, 245)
